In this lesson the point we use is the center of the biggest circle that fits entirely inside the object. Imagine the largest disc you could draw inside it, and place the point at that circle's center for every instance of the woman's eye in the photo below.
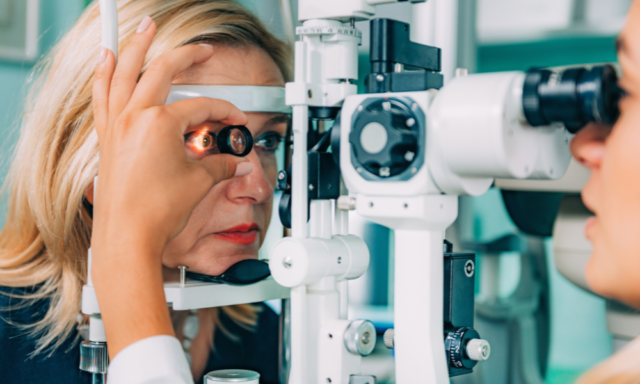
(201, 143)
(269, 141)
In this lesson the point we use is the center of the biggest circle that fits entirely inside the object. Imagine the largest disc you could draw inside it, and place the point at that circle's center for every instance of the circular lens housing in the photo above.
(235, 140)
(573, 97)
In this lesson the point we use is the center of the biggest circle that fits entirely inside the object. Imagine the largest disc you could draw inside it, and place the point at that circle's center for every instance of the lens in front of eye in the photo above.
(238, 141)
(235, 140)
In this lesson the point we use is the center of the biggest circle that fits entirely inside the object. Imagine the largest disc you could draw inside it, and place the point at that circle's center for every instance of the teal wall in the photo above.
(56, 17)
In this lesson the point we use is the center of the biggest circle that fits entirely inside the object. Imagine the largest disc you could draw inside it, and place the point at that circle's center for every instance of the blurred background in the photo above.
(501, 35)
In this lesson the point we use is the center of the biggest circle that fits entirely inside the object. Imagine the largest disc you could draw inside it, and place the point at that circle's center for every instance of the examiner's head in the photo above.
(47, 231)
(613, 190)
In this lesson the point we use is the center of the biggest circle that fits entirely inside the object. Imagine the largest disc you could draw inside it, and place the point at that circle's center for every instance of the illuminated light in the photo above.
(201, 143)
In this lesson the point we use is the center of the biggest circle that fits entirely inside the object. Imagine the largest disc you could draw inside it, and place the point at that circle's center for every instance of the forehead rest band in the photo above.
(247, 98)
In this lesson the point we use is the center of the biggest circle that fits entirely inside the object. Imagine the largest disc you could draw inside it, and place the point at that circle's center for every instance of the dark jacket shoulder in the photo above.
(16, 345)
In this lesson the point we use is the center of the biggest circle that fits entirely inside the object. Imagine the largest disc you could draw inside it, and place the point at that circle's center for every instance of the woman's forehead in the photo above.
(243, 65)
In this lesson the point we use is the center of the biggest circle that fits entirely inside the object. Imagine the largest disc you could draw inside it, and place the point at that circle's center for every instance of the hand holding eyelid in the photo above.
(234, 140)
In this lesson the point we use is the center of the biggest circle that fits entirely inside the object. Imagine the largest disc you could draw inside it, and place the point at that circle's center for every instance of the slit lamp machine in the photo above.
(399, 155)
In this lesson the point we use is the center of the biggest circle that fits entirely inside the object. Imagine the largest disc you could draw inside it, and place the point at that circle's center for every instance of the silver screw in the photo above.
(380, 78)
(287, 262)
(409, 156)
(414, 170)
(281, 176)
(360, 108)
(386, 106)
(411, 122)
(183, 274)
(384, 171)
(359, 169)
(414, 107)
(311, 187)
(366, 338)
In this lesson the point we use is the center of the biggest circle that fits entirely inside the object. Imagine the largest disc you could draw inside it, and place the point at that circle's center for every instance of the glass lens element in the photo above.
(238, 141)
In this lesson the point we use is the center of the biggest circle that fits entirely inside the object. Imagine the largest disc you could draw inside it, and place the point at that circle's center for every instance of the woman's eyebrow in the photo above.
(280, 119)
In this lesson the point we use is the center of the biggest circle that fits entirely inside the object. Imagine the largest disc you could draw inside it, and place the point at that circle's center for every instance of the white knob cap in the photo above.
(389, 334)
(478, 349)
(346, 203)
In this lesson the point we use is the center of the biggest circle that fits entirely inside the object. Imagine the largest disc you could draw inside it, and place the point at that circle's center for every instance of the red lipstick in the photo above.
(241, 234)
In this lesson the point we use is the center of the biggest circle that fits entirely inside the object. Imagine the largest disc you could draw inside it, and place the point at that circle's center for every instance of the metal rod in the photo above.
(183, 274)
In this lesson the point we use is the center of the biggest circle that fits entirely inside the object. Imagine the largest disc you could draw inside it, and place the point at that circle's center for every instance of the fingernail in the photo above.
(208, 46)
(243, 169)
(102, 55)
(144, 24)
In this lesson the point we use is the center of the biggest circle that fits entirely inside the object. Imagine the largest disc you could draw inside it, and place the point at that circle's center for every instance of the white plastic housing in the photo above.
(304, 261)
(419, 184)
(475, 121)
(474, 133)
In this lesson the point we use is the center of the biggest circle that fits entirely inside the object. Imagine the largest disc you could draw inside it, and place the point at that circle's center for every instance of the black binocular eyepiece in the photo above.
(574, 97)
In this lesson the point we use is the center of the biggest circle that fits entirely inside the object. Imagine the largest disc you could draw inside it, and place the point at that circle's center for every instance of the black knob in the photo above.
(385, 136)
(456, 347)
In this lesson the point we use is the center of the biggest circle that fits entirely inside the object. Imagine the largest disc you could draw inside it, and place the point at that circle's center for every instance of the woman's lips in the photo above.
(241, 234)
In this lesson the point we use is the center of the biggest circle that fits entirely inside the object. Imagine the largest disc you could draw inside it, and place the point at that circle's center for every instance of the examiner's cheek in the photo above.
(597, 274)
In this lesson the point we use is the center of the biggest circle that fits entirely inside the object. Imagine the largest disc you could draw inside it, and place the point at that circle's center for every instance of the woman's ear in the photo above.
(88, 193)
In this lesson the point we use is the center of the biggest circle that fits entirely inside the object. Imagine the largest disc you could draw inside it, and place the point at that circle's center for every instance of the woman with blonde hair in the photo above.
(155, 207)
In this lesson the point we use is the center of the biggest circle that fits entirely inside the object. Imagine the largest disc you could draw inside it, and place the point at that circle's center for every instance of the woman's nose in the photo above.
(255, 187)
(587, 145)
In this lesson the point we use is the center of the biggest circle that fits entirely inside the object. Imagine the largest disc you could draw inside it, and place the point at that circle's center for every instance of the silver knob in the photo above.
(389, 334)
(360, 337)
(346, 203)
(478, 349)
(94, 357)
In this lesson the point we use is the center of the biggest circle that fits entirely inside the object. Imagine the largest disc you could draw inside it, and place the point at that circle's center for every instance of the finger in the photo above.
(155, 84)
(222, 167)
(129, 66)
(101, 87)
(193, 112)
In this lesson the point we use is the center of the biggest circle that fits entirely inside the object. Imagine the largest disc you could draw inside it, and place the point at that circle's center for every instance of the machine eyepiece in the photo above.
(234, 139)
(574, 96)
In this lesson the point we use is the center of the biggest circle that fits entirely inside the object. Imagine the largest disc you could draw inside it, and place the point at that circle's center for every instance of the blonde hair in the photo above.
(46, 236)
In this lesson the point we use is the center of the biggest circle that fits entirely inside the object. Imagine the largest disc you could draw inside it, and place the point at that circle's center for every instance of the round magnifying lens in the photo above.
(235, 140)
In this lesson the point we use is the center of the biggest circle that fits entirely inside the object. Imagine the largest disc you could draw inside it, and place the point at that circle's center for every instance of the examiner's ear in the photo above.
(88, 193)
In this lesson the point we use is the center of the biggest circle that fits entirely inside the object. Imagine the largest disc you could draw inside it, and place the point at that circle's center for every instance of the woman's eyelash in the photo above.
(269, 141)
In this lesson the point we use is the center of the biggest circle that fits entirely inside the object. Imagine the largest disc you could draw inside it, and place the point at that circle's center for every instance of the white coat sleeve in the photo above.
(157, 359)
